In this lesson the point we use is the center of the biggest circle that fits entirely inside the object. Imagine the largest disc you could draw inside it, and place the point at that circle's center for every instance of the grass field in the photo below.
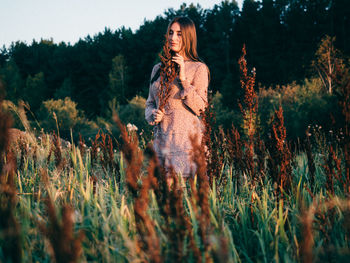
(250, 200)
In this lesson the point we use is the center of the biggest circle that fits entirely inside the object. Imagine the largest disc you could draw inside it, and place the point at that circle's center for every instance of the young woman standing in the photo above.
(177, 97)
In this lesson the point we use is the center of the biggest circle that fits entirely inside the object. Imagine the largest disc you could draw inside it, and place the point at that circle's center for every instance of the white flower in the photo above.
(131, 127)
(77, 216)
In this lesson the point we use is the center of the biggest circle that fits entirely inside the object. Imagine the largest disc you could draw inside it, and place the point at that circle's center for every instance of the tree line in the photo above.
(112, 67)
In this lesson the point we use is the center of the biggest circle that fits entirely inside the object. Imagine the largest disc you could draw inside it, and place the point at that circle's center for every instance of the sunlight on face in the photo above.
(175, 37)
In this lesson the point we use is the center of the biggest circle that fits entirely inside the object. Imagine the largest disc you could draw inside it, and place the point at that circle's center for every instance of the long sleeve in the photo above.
(194, 94)
(151, 101)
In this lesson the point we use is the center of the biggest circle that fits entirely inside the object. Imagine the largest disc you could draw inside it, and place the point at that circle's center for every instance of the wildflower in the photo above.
(131, 127)
(330, 131)
(77, 216)
(308, 134)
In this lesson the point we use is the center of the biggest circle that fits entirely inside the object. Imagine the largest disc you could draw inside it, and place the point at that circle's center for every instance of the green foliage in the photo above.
(281, 39)
(64, 115)
(134, 113)
(327, 57)
(118, 78)
(35, 90)
(115, 93)
(225, 117)
(66, 89)
(12, 80)
(302, 105)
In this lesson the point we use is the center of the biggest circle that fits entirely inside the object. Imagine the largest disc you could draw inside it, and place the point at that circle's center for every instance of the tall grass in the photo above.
(111, 202)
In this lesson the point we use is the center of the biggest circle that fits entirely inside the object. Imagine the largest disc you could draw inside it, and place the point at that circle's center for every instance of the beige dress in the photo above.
(181, 117)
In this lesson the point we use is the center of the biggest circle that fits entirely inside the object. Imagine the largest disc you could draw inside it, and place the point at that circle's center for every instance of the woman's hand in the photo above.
(180, 61)
(157, 116)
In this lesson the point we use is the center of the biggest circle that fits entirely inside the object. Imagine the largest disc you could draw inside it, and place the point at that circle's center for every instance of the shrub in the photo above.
(134, 113)
(302, 104)
(65, 114)
(225, 117)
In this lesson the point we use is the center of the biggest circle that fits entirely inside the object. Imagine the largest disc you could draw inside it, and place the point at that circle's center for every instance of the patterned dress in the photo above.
(181, 117)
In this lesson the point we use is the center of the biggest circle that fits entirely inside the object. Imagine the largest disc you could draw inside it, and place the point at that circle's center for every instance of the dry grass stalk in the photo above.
(260, 152)
(64, 244)
(201, 194)
(234, 148)
(9, 228)
(104, 158)
(333, 171)
(310, 160)
(148, 240)
(93, 179)
(161, 189)
(280, 157)
(318, 212)
(181, 226)
(308, 238)
(110, 153)
(94, 149)
(222, 252)
(342, 77)
(249, 109)
(133, 156)
(144, 224)
(195, 206)
(82, 146)
(56, 143)
(214, 157)
(177, 225)
(23, 151)
(48, 160)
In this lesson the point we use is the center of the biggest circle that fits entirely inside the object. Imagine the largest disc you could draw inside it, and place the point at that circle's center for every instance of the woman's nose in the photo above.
(173, 37)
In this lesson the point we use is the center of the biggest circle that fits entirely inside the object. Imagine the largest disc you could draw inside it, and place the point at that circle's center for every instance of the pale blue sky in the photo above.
(69, 20)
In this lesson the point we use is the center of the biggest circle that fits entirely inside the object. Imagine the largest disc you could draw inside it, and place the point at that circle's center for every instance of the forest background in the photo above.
(78, 86)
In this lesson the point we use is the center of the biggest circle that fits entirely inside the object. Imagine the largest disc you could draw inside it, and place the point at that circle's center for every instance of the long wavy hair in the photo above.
(168, 69)
(189, 36)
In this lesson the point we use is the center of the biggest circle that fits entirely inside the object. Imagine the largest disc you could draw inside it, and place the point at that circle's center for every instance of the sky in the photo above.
(69, 20)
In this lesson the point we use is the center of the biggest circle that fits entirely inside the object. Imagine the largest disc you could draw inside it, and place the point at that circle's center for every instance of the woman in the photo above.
(177, 97)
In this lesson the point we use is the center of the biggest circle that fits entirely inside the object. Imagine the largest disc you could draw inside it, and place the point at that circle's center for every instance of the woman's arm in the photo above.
(194, 95)
(151, 104)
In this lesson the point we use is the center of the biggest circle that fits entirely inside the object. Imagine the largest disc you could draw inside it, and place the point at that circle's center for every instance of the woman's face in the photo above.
(175, 37)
